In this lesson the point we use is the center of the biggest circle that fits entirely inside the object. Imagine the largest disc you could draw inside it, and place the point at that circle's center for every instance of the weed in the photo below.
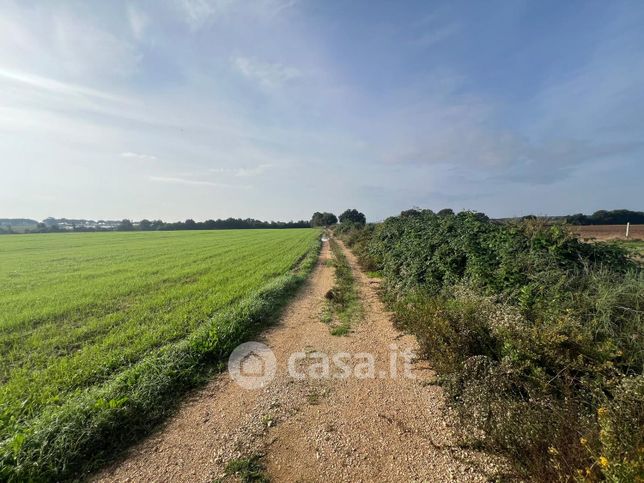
(343, 299)
(248, 470)
(313, 398)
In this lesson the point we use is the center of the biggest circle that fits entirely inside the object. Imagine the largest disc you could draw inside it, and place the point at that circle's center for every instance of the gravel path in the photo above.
(377, 428)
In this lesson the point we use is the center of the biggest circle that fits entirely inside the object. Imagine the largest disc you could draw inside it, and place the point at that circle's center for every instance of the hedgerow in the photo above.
(78, 436)
(537, 336)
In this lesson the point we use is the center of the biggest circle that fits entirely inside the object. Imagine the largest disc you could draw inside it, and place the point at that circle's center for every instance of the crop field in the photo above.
(80, 311)
(608, 232)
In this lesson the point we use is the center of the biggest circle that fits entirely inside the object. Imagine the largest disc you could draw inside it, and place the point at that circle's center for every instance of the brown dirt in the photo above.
(355, 429)
(609, 232)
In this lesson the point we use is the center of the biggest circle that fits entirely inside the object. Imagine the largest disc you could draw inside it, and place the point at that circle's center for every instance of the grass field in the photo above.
(78, 311)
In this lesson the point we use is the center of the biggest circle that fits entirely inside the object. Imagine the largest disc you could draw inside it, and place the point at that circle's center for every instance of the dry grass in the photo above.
(608, 232)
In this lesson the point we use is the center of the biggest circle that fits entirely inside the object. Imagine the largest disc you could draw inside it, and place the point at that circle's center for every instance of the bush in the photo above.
(536, 335)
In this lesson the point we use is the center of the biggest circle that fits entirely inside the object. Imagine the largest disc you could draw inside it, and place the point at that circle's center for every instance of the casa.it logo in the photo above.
(252, 365)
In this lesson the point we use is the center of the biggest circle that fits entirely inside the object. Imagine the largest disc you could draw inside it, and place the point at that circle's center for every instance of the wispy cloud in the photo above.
(56, 86)
(267, 74)
(243, 172)
(194, 182)
(257, 170)
(138, 21)
(435, 35)
(200, 12)
(141, 156)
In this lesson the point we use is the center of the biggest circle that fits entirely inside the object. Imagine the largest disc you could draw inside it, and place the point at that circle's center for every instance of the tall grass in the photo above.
(344, 302)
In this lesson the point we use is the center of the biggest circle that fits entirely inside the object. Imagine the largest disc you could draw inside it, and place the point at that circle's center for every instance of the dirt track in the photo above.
(329, 429)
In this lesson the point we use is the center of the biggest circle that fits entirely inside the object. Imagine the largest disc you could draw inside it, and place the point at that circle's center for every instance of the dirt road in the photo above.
(359, 428)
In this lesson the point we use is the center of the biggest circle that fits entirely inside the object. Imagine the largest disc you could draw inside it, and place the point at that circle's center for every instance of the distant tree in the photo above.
(157, 225)
(409, 213)
(145, 225)
(125, 225)
(353, 216)
(445, 212)
(210, 225)
(604, 217)
(323, 219)
(190, 224)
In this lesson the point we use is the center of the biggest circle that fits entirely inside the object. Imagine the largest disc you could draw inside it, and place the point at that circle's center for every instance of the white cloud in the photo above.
(53, 85)
(64, 42)
(257, 170)
(268, 75)
(198, 13)
(138, 21)
(436, 35)
(89, 51)
(243, 172)
(194, 182)
(141, 156)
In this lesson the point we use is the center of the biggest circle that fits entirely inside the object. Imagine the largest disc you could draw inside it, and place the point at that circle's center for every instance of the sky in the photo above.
(274, 109)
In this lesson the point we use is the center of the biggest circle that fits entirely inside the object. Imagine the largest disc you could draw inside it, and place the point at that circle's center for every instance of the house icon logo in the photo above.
(252, 365)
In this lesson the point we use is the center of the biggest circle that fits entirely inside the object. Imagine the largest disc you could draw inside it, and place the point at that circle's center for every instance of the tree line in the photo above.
(50, 225)
(604, 217)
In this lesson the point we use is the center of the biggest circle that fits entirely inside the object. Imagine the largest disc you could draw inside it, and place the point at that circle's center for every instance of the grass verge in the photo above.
(344, 305)
(86, 431)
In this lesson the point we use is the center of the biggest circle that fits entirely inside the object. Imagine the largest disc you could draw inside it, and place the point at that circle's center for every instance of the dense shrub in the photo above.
(536, 335)
(357, 237)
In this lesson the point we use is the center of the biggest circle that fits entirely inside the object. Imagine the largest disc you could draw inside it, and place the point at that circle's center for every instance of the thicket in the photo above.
(536, 335)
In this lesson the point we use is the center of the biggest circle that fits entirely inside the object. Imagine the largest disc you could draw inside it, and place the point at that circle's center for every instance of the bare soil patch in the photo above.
(609, 232)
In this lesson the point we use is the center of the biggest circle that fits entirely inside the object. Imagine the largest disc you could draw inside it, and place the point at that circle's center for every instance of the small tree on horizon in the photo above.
(353, 216)
(323, 219)
(125, 225)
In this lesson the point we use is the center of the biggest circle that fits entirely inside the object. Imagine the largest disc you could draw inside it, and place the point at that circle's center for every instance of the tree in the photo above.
(445, 212)
(145, 225)
(323, 219)
(125, 225)
(353, 216)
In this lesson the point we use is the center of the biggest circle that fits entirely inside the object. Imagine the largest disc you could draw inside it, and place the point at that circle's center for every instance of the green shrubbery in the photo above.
(536, 335)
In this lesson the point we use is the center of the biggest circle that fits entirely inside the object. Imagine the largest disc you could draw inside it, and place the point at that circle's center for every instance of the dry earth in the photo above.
(609, 232)
(315, 429)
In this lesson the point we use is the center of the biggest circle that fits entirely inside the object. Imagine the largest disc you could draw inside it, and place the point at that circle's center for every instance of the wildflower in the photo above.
(553, 451)
(583, 441)
(601, 411)
(603, 461)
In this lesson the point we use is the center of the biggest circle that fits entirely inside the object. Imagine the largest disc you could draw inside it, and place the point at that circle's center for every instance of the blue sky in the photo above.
(274, 109)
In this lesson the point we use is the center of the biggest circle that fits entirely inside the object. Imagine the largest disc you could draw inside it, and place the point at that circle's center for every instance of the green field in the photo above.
(634, 247)
(77, 311)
